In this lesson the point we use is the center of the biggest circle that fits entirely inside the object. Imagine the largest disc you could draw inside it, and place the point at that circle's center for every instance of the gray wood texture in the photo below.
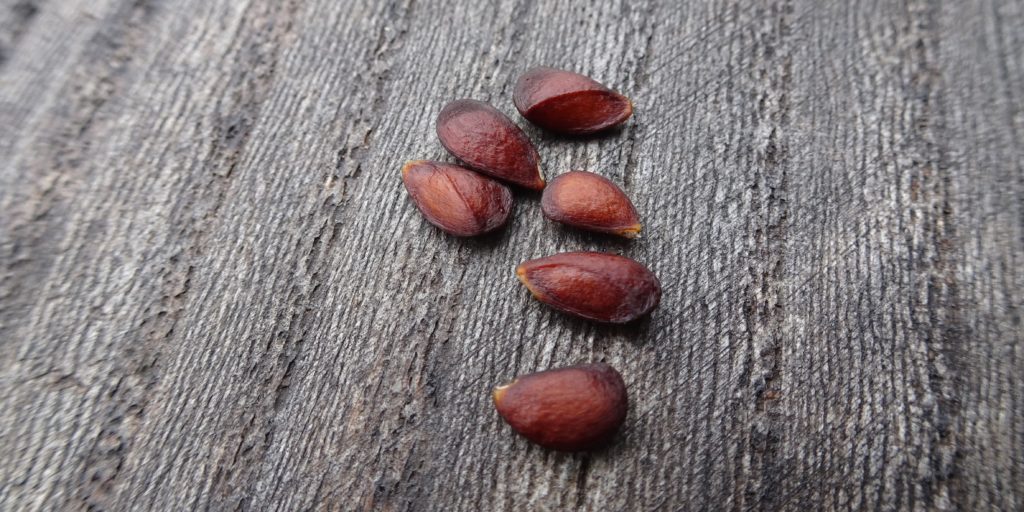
(215, 293)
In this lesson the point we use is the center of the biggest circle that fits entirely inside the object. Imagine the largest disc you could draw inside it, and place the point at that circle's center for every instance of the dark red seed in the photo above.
(569, 103)
(592, 285)
(568, 409)
(585, 200)
(486, 140)
(457, 200)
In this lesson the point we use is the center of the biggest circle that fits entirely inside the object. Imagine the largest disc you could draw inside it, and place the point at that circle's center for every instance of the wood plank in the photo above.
(215, 293)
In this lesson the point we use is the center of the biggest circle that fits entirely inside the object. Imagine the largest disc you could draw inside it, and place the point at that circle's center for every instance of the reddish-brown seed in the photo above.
(585, 200)
(459, 201)
(593, 285)
(486, 140)
(568, 409)
(569, 103)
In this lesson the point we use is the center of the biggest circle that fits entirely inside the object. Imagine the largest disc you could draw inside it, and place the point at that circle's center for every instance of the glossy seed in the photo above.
(585, 200)
(568, 409)
(486, 140)
(457, 200)
(592, 285)
(569, 103)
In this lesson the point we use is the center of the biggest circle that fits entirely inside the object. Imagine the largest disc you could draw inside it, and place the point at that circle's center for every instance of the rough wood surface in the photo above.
(215, 294)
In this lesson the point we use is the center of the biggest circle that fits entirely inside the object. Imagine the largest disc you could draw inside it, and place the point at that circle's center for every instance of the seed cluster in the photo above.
(577, 407)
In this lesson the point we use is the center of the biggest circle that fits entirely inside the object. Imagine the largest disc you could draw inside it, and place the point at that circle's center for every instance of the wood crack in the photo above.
(765, 304)
(33, 233)
(636, 130)
(351, 159)
(91, 86)
(931, 214)
(232, 123)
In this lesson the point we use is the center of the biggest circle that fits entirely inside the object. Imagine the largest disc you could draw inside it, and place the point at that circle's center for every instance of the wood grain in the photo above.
(215, 294)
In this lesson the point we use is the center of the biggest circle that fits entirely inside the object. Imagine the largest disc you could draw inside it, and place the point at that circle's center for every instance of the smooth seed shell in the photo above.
(486, 140)
(569, 103)
(588, 201)
(592, 285)
(457, 200)
(568, 409)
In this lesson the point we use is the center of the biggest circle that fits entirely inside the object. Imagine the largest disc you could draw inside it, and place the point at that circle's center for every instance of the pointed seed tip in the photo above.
(540, 183)
(521, 274)
(632, 231)
(409, 165)
(499, 392)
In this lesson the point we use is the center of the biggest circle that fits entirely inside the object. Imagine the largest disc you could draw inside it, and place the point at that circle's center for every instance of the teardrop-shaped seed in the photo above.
(569, 409)
(593, 285)
(569, 103)
(486, 140)
(457, 200)
(588, 201)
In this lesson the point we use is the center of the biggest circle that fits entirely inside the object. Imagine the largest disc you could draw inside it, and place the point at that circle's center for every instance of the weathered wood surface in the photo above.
(215, 293)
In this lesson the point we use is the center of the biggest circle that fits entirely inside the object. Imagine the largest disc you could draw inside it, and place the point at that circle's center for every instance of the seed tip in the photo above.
(540, 183)
(409, 165)
(499, 392)
(631, 231)
(521, 274)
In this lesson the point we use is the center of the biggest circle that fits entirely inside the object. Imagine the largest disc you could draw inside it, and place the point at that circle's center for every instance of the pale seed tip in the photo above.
(632, 231)
(499, 392)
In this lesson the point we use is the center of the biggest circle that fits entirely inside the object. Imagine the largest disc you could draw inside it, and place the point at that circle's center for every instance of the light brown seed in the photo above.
(592, 285)
(568, 409)
(486, 140)
(588, 201)
(569, 103)
(457, 200)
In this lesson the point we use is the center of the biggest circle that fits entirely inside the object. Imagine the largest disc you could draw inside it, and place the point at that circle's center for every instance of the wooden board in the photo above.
(215, 294)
